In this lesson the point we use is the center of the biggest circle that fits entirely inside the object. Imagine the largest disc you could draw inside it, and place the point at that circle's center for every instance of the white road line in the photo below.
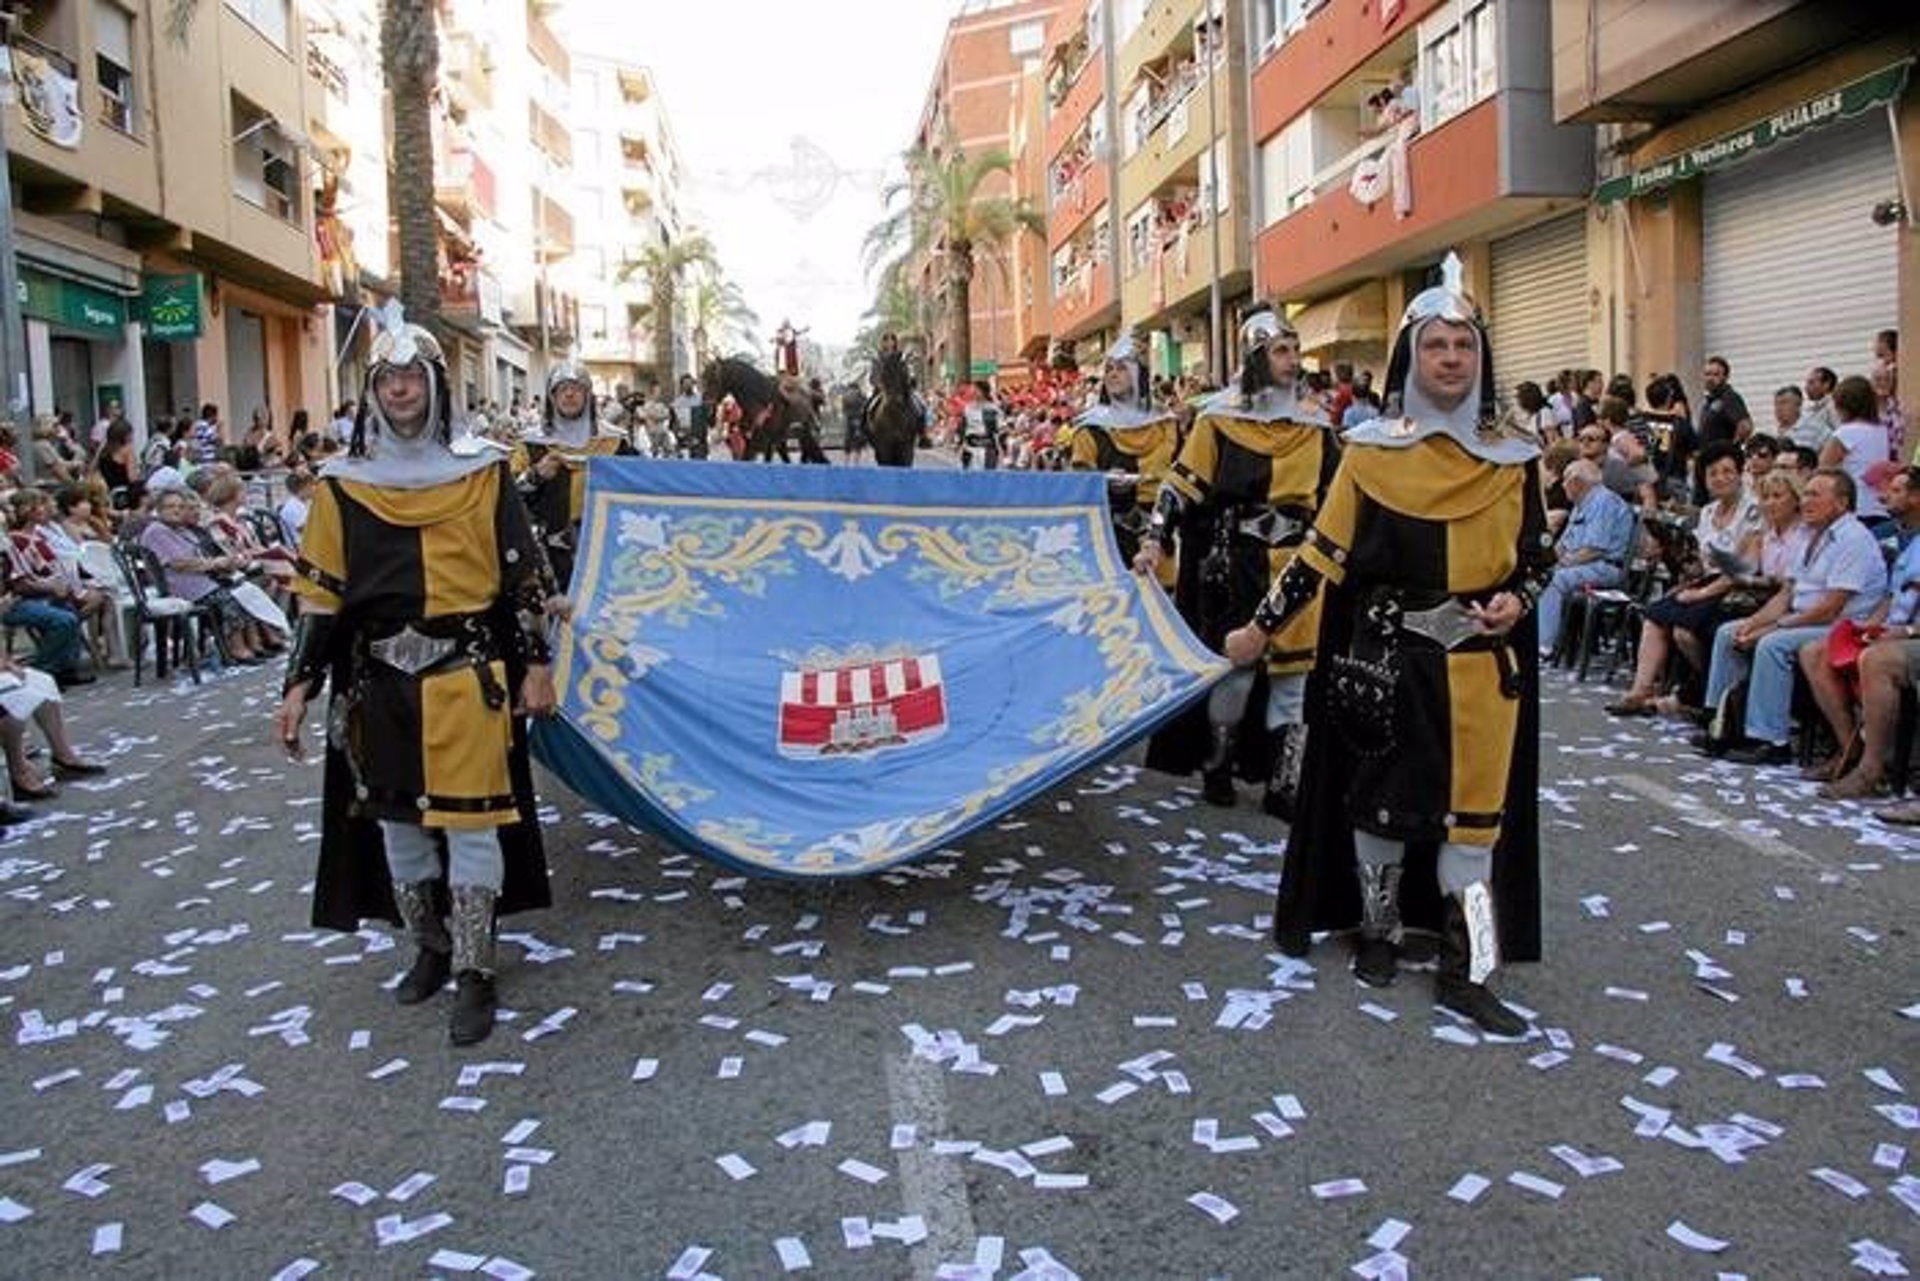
(932, 1187)
(1760, 843)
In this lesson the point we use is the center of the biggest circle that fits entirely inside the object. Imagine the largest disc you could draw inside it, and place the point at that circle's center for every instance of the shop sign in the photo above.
(70, 304)
(170, 306)
(1842, 103)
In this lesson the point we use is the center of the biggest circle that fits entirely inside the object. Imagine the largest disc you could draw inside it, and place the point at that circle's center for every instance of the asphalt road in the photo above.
(196, 1084)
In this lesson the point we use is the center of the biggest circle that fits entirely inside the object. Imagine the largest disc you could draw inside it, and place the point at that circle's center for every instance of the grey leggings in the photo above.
(1286, 698)
(1459, 867)
(473, 855)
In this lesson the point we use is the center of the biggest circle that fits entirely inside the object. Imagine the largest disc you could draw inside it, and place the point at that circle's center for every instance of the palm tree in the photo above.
(410, 57)
(662, 266)
(410, 60)
(944, 213)
(720, 316)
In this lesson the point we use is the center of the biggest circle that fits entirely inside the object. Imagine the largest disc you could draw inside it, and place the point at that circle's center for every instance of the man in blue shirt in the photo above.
(1593, 550)
(1843, 575)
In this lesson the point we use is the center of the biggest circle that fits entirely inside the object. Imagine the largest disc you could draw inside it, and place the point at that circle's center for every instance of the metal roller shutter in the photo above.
(1795, 274)
(1539, 314)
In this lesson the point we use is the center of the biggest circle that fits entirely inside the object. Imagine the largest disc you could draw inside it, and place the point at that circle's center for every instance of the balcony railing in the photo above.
(545, 46)
(549, 134)
(553, 226)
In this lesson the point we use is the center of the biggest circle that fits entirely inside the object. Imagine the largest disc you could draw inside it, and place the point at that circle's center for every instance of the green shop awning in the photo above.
(70, 304)
(1843, 103)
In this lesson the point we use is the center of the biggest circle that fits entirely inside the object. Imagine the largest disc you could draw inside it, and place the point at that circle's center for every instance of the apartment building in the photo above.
(165, 275)
(988, 47)
(1182, 192)
(1084, 273)
(1391, 133)
(628, 198)
(1027, 260)
(1757, 190)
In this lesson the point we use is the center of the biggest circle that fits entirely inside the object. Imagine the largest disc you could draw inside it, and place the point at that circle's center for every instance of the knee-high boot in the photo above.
(1469, 952)
(1216, 775)
(1374, 962)
(419, 904)
(1283, 788)
(473, 1001)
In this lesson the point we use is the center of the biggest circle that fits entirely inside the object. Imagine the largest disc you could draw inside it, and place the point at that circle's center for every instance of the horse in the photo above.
(772, 411)
(893, 424)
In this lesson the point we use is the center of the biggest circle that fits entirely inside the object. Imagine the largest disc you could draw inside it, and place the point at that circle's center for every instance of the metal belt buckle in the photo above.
(1273, 528)
(410, 652)
(1447, 624)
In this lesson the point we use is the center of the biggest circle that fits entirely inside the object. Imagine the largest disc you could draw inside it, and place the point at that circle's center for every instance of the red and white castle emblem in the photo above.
(860, 707)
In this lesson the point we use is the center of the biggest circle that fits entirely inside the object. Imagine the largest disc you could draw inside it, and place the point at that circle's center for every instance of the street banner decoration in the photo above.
(828, 671)
(1843, 103)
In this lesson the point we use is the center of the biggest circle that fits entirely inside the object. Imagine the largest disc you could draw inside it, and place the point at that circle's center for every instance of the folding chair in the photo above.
(177, 626)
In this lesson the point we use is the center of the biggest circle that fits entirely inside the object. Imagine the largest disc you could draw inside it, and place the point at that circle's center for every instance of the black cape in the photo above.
(353, 885)
(1319, 888)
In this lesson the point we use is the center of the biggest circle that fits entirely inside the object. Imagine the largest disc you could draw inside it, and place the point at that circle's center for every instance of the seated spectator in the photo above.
(1553, 464)
(1626, 470)
(9, 455)
(293, 512)
(191, 572)
(40, 571)
(1878, 660)
(1842, 575)
(1728, 541)
(1763, 453)
(1593, 550)
(1857, 441)
(139, 513)
(1798, 461)
(49, 461)
(26, 694)
(34, 602)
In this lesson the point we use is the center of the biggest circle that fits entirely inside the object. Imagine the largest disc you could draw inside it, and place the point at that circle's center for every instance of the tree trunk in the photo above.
(412, 56)
(960, 320)
(663, 330)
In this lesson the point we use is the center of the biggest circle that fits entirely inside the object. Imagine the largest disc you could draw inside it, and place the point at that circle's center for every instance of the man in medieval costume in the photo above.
(1242, 495)
(553, 467)
(424, 592)
(1417, 800)
(786, 350)
(1130, 440)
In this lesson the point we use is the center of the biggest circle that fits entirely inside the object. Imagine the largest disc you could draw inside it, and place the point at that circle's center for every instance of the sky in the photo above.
(789, 117)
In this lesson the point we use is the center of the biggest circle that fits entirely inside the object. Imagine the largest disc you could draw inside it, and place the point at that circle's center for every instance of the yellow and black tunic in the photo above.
(1251, 491)
(457, 565)
(558, 503)
(1407, 529)
(1114, 442)
(1452, 751)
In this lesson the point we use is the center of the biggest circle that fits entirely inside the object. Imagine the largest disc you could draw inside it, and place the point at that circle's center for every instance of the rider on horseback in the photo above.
(890, 372)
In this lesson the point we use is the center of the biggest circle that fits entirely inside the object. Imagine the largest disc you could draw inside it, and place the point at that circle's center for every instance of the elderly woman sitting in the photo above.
(29, 695)
(193, 573)
(1728, 534)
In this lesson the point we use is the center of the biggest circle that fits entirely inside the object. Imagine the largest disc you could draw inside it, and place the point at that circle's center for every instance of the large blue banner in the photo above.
(826, 671)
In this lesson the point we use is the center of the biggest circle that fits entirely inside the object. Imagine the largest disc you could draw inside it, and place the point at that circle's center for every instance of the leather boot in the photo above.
(1283, 789)
(473, 999)
(1469, 951)
(419, 904)
(1374, 961)
(1216, 775)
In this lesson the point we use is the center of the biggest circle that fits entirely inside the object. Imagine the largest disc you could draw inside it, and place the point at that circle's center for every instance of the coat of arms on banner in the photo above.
(851, 705)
